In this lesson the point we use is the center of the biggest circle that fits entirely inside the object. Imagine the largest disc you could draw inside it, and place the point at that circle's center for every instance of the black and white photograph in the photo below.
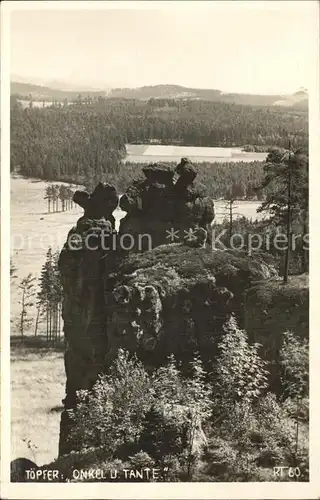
(155, 248)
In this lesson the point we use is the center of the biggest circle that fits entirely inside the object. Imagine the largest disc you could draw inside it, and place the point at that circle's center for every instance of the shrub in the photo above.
(240, 374)
(113, 413)
(294, 359)
(147, 417)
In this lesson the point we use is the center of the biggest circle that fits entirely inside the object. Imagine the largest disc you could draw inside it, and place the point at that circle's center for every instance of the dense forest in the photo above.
(85, 142)
(213, 179)
(202, 123)
(63, 144)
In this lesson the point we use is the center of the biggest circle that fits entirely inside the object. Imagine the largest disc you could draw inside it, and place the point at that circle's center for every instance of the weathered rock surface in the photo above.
(100, 203)
(157, 205)
(173, 298)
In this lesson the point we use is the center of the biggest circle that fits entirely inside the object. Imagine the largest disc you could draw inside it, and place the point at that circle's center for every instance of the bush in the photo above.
(294, 359)
(157, 419)
(135, 416)
(239, 374)
(113, 413)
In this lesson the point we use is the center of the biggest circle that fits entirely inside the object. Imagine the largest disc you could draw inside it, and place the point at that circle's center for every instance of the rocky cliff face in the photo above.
(172, 298)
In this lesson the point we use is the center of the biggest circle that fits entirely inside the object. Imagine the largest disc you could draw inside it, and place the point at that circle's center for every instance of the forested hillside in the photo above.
(203, 123)
(85, 142)
(64, 144)
(38, 92)
(214, 95)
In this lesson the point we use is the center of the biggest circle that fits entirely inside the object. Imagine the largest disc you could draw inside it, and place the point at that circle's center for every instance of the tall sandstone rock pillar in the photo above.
(82, 266)
(171, 296)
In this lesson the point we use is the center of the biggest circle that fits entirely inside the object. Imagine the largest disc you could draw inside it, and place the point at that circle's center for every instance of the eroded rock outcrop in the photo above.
(82, 266)
(173, 298)
(157, 206)
(100, 203)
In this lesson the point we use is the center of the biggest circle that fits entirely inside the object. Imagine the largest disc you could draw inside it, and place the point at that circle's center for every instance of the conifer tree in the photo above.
(27, 300)
(48, 196)
(286, 180)
(63, 196)
(50, 295)
(240, 373)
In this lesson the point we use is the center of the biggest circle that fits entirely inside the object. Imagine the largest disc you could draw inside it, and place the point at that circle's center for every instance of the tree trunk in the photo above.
(305, 266)
(59, 320)
(37, 320)
(289, 238)
(50, 322)
(47, 318)
(55, 325)
(22, 313)
(230, 221)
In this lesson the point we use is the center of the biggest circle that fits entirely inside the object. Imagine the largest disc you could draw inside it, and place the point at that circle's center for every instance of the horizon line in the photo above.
(93, 88)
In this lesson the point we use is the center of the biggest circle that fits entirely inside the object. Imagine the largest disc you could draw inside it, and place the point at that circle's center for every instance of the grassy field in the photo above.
(37, 375)
(37, 388)
(145, 153)
(33, 230)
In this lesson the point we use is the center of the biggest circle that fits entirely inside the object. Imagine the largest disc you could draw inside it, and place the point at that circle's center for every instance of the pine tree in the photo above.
(56, 295)
(230, 207)
(27, 301)
(38, 317)
(48, 196)
(287, 198)
(55, 196)
(240, 373)
(69, 193)
(50, 295)
(63, 196)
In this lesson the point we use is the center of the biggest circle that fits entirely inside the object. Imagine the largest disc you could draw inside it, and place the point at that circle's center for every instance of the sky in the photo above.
(250, 47)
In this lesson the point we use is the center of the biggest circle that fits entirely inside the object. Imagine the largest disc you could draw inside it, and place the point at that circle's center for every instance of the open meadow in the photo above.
(146, 153)
(37, 390)
(37, 374)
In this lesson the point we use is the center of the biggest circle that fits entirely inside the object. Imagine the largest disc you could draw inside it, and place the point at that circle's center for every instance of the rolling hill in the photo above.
(179, 92)
(39, 92)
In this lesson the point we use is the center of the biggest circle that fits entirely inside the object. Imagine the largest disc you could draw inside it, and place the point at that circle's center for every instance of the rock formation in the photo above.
(99, 204)
(157, 206)
(173, 298)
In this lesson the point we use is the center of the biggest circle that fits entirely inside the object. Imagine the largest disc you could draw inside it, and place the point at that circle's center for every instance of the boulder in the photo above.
(19, 466)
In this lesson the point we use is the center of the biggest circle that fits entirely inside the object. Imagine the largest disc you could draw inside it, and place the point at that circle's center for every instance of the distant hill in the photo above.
(178, 92)
(40, 92)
